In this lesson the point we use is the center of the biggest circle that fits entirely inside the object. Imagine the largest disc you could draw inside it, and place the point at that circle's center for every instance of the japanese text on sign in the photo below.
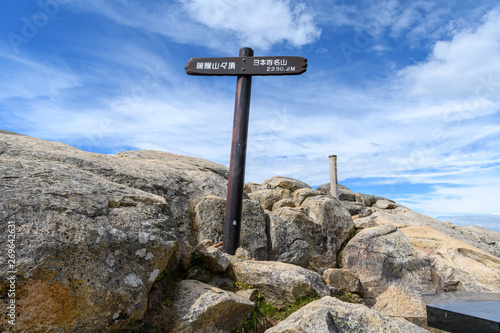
(216, 65)
(274, 65)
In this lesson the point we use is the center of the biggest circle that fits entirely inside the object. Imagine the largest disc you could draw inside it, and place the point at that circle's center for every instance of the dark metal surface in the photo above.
(236, 179)
(459, 312)
(246, 65)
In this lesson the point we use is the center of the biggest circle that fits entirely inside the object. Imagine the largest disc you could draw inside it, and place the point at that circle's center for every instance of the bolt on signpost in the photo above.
(244, 67)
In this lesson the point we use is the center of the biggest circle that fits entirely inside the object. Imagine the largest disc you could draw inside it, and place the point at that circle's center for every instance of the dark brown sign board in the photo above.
(234, 66)
(244, 67)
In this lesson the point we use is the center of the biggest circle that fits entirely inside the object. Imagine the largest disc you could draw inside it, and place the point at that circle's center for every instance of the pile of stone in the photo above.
(95, 233)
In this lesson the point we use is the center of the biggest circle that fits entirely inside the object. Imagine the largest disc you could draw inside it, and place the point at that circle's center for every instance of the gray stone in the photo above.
(384, 204)
(287, 242)
(88, 248)
(460, 266)
(329, 315)
(199, 274)
(392, 273)
(253, 230)
(333, 219)
(302, 194)
(96, 230)
(215, 259)
(281, 284)
(345, 194)
(250, 294)
(209, 219)
(343, 279)
(210, 224)
(283, 203)
(204, 308)
(278, 182)
(404, 217)
(267, 198)
(365, 223)
(355, 208)
(252, 187)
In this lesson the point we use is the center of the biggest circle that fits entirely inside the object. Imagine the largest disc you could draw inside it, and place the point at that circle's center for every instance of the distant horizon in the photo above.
(406, 94)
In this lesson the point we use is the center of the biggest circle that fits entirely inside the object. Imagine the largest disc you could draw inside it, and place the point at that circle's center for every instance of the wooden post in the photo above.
(236, 179)
(333, 176)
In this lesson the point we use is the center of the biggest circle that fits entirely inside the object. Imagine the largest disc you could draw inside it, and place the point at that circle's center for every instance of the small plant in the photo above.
(196, 260)
(242, 285)
(266, 315)
(347, 297)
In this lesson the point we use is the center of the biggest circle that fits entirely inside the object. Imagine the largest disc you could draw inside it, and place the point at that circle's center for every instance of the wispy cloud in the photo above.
(391, 115)
(217, 24)
(260, 23)
(26, 77)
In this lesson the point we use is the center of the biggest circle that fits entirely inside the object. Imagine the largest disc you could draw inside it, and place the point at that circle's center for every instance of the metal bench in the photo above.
(463, 312)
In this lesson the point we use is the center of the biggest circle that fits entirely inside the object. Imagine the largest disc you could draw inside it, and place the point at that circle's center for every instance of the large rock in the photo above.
(392, 273)
(210, 224)
(344, 279)
(287, 242)
(355, 208)
(404, 217)
(302, 194)
(204, 308)
(333, 219)
(329, 315)
(284, 183)
(88, 249)
(267, 198)
(345, 194)
(94, 231)
(281, 284)
(209, 218)
(461, 267)
(215, 259)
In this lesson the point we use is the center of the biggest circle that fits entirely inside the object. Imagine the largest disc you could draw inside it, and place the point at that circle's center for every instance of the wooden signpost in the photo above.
(244, 67)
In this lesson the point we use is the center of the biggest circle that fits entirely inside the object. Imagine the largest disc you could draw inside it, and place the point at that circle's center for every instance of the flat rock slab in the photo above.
(281, 284)
(329, 315)
(463, 311)
(204, 308)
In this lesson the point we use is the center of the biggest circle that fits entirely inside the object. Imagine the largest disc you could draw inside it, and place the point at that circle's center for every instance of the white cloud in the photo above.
(414, 20)
(219, 24)
(258, 23)
(475, 192)
(465, 67)
(24, 77)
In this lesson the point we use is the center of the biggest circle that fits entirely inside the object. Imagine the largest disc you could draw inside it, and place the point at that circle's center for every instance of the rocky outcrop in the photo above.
(304, 226)
(460, 266)
(402, 217)
(392, 273)
(94, 231)
(283, 183)
(281, 284)
(329, 315)
(204, 308)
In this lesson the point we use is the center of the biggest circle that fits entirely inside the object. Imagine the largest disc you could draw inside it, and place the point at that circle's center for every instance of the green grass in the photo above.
(266, 315)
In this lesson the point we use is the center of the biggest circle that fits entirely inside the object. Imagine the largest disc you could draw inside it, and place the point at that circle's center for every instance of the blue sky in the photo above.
(405, 93)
